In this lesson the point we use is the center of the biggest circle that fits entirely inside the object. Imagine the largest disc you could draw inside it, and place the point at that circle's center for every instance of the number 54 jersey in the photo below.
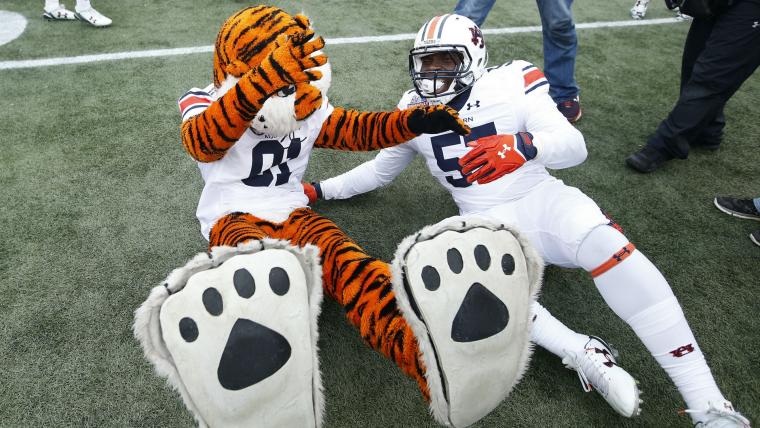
(260, 174)
(507, 99)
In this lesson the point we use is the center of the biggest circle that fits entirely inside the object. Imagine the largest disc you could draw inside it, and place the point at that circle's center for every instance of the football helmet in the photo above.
(463, 41)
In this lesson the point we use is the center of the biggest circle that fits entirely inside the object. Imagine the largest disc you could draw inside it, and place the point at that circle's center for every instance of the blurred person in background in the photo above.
(639, 11)
(722, 50)
(742, 208)
(560, 46)
(55, 11)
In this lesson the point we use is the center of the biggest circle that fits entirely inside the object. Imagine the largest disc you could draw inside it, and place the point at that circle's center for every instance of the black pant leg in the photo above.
(696, 39)
(699, 32)
(730, 55)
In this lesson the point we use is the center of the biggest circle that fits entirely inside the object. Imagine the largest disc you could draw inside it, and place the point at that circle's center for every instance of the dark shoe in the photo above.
(755, 237)
(711, 143)
(571, 109)
(711, 146)
(647, 159)
(742, 208)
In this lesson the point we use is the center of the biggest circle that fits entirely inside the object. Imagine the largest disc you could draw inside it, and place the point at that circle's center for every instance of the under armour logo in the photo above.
(619, 255)
(682, 350)
(503, 153)
(610, 362)
(477, 104)
(756, 24)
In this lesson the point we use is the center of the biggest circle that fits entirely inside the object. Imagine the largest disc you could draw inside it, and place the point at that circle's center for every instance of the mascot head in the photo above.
(246, 38)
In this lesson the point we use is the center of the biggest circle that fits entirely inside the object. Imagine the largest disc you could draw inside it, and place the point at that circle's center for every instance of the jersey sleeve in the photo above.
(194, 101)
(559, 144)
(533, 79)
(378, 172)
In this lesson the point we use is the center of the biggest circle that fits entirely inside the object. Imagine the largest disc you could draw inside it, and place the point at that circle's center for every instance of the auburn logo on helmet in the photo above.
(477, 35)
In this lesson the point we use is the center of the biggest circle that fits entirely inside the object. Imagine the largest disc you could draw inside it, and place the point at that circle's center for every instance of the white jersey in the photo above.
(507, 99)
(259, 174)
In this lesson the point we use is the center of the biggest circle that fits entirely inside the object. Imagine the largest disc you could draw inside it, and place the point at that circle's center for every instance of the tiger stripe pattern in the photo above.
(206, 137)
(248, 36)
(364, 131)
(357, 281)
(285, 60)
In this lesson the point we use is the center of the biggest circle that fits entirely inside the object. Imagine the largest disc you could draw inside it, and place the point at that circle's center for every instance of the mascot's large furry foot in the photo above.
(466, 286)
(236, 335)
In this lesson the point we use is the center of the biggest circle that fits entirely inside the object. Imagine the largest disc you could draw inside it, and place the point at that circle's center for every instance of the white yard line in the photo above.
(84, 59)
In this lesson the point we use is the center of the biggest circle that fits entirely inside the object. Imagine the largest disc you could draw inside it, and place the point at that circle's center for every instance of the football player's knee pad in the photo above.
(466, 286)
(235, 333)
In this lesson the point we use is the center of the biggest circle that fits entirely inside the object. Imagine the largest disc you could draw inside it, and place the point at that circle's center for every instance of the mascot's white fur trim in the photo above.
(463, 396)
(148, 325)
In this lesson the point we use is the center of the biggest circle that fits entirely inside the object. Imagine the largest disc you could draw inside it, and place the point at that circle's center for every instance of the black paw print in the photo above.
(253, 352)
(482, 314)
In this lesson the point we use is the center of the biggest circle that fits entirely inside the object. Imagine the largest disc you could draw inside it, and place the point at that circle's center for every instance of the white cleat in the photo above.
(639, 9)
(597, 369)
(721, 416)
(93, 17)
(59, 13)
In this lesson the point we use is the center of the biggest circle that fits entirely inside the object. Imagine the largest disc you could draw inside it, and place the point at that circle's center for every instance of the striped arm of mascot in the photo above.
(234, 331)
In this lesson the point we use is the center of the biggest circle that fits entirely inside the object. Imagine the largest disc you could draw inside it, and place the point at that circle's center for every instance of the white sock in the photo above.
(83, 4)
(550, 334)
(638, 293)
(657, 326)
(51, 4)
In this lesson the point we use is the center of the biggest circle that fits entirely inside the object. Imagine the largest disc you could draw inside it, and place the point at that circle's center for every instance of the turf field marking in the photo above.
(13, 25)
(84, 59)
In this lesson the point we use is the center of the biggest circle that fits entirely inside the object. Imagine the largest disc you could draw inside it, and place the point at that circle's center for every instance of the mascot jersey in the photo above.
(261, 174)
(528, 107)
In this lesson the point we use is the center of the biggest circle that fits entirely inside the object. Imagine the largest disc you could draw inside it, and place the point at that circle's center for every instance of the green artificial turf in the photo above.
(98, 202)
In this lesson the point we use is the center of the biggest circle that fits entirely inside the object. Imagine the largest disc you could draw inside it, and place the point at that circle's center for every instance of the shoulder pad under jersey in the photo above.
(411, 99)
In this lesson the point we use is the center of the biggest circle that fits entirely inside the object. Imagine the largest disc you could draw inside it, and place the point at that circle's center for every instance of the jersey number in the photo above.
(280, 157)
(452, 139)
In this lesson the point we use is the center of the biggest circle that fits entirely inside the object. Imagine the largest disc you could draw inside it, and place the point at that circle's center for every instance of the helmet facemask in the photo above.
(437, 83)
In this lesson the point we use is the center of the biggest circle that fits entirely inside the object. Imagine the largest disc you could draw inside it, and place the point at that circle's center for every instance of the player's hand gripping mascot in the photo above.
(235, 330)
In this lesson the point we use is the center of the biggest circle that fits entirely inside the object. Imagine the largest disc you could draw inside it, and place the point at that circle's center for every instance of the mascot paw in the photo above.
(308, 100)
(436, 119)
(291, 62)
(467, 289)
(241, 337)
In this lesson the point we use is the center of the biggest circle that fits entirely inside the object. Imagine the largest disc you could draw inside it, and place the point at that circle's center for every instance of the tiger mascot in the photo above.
(235, 330)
